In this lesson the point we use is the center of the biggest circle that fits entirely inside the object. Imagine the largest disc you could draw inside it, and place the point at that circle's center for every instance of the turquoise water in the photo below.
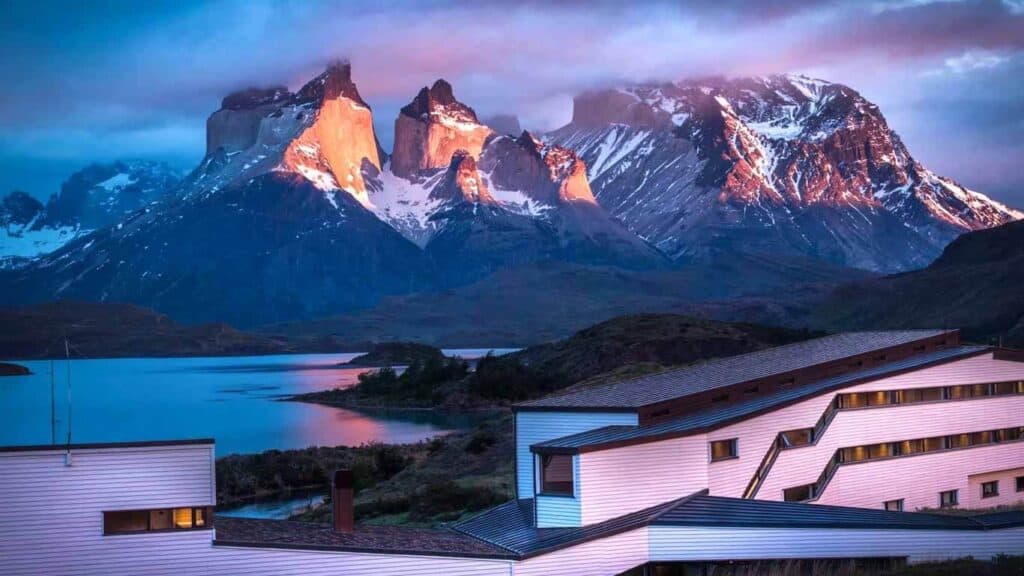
(234, 400)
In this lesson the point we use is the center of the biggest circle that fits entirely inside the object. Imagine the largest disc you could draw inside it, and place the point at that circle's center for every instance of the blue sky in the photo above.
(99, 80)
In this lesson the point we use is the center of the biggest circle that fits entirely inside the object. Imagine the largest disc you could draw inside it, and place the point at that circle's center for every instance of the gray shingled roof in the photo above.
(707, 419)
(720, 372)
(510, 525)
(265, 533)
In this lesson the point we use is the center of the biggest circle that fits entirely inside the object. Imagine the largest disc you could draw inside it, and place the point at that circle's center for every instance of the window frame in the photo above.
(541, 490)
(898, 502)
(734, 449)
(985, 486)
(954, 502)
(206, 512)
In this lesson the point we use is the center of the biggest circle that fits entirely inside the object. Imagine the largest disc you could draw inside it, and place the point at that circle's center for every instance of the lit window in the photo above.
(159, 519)
(894, 505)
(724, 449)
(948, 499)
(556, 474)
(792, 438)
(990, 489)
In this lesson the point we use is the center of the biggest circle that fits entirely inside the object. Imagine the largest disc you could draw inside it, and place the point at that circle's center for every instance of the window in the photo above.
(724, 450)
(556, 474)
(990, 489)
(1020, 483)
(159, 519)
(878, 398)
(798, 493)
(792, 438)
(894, 505)
(948, 499)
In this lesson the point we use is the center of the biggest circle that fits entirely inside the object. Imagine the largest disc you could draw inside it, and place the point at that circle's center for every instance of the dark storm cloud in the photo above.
(90, 80)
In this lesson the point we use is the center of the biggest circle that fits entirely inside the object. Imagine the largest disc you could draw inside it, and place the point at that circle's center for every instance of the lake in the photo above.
(233, 400)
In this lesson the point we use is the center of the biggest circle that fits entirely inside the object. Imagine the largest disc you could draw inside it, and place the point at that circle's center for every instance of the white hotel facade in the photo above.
(821, 450)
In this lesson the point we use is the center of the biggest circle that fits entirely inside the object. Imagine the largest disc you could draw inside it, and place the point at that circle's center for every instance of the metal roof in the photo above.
(721, 372)
(704, 420)
(106, 445)
(510, 525)
(703, 510)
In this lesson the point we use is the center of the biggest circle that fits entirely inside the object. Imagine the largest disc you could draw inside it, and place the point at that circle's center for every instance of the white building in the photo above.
(661, 474)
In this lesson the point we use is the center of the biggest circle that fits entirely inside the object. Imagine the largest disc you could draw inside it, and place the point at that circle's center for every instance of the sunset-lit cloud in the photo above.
(100, 80)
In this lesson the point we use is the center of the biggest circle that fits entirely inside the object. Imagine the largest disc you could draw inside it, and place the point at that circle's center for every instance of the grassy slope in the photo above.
(975, 285)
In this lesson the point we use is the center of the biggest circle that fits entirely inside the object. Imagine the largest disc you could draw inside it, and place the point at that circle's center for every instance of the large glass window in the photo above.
(158, 519)
(556, 474)
(724, 449)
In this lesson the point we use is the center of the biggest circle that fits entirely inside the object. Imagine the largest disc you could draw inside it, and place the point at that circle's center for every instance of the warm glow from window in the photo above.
(183, 517)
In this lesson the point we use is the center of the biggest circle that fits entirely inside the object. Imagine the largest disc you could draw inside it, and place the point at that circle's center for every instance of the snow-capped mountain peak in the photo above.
(790, 163)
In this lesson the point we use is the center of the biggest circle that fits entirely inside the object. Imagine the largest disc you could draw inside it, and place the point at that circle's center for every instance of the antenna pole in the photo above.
(53, 406)
(67, 355)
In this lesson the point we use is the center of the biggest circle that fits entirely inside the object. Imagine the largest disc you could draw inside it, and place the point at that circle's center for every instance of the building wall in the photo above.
(860, 426)
(622, 480)
(918, 479)
(864, 426)
(1008, 493)
(682, 543)
(534, 427)
(607, 556)
(53, 522)
(560, 511)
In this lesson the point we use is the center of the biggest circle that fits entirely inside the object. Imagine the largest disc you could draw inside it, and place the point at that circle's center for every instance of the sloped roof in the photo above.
(510, 525)
(708, 419)
(720, 372)
(266, 533)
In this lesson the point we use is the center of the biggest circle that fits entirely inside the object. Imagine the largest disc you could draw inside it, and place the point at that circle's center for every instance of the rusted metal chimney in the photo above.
(341, 497)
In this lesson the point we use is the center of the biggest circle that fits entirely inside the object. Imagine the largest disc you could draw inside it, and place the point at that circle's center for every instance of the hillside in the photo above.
(650, 339)
(123, 330)
(541, 303)
(975, 285)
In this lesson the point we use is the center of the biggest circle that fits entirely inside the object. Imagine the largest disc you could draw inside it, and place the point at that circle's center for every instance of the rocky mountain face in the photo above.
(96, 196)
(296, 199)
(477, 201)
(783, 164)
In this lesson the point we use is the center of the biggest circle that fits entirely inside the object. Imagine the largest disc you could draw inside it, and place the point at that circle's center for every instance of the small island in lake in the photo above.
(396, 354)
(8, 369)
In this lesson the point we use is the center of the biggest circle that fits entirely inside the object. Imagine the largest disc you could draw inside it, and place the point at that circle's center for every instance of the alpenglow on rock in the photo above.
(782, 164)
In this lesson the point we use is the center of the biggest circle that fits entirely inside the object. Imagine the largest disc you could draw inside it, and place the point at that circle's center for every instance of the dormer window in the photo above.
(556, 476)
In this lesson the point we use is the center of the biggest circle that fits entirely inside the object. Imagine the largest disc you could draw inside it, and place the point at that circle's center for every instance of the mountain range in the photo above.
(99, 195)
(297, 212)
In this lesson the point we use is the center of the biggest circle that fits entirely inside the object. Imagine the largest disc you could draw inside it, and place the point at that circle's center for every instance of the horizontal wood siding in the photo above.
(561, 511)
(918, 479)
(607, 556)
(682, 543)
(53, 522)
(863, 426)
(1007, 488)
(622, 480)
(892, 423)
(534, 427)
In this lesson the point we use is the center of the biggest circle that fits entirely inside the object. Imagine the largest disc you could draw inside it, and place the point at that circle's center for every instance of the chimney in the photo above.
(341, 498)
